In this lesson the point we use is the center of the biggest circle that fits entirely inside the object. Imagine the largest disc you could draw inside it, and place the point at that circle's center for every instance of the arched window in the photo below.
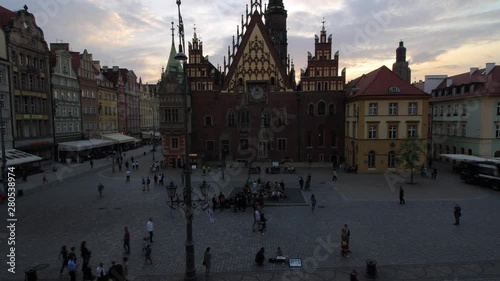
(454, 150)
(470, 151)
(371, 159)
(497, 154)
(331, 109)
(208, 121)
(309, 139)
(267, 117)
(310, 110)
(326, 86)
(319, 86)
(240, 82)
(462, 151)
(321, 108)
(231, 120)
(391, 159)
(244, 118)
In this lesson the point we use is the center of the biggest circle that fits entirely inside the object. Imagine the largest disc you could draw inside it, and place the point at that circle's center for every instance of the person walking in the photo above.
(301, 182)
(85, 253)
(126, 241)
(150, 227)
(64, 256)
(148, 254)
(346, 234)
(259, 257)
(434, 173)
(155, 179)
(72, 267)
(334, 178)
(127, 175)
(45, 178)
(313, 203)
(457, 213)
(207, 261)
(100, 188)
(256, 222)
(148, 181)
(101, 273)
(401, 195)
(262, 223)
(143, 184)
(91, 163)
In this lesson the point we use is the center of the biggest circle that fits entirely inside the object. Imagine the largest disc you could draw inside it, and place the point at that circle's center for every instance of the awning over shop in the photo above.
(83, 144)
(148, 135)
(119, 138)
(17, 157)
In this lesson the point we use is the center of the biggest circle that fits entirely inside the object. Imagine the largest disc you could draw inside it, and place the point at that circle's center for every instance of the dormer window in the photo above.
(394, 89)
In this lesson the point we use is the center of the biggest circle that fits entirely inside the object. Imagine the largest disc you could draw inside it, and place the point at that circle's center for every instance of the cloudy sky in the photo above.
(441, 37)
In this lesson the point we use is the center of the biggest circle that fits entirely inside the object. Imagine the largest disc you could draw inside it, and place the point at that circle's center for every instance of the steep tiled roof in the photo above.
(489, 83)
(378, 83)
(5, 16)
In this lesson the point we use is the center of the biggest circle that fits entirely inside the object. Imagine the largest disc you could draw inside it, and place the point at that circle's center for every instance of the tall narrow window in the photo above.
(371, 159)
(310, 110)
(391, 159)
(321, 108)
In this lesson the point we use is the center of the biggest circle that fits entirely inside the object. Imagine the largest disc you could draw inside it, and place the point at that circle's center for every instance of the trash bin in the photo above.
(30, 275)
(20, 193)
(371, 268)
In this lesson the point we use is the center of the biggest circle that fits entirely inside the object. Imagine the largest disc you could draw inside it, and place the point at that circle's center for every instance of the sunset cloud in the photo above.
(441, 37)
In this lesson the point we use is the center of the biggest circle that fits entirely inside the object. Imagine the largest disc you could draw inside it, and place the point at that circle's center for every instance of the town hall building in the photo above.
(251, 109)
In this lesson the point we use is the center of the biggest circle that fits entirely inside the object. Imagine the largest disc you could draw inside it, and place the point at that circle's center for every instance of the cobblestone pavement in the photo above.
(399, 237)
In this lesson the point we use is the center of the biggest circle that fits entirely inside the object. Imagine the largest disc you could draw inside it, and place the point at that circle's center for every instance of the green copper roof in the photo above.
(174, 65)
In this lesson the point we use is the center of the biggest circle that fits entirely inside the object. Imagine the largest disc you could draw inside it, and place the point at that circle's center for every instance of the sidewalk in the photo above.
(69, 171)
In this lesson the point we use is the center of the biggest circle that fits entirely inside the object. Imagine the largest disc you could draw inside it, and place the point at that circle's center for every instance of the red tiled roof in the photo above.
(378, 82)
(490, 84)
(5, 16)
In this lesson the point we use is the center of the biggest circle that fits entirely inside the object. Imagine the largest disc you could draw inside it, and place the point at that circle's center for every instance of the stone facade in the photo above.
(33, 129)
(66, 94)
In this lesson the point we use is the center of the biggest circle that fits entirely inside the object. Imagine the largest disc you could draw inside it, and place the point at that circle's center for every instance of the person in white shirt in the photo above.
(256, 223)
(149, 227)
(101, 272)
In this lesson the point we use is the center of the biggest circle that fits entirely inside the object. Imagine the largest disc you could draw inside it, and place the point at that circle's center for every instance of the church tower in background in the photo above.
(275, 16)
(400, 67)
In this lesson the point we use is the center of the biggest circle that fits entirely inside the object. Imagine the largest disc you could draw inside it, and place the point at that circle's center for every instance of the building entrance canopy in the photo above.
(83, 144)
(17, 157)
(119, 138)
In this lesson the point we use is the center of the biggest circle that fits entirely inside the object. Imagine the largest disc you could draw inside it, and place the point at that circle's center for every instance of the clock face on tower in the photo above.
(257, 93)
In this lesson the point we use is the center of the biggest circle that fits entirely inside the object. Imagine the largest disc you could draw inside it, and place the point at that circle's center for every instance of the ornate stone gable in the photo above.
(256, 60)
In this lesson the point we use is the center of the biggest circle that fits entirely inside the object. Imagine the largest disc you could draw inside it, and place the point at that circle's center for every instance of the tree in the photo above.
(410, 151)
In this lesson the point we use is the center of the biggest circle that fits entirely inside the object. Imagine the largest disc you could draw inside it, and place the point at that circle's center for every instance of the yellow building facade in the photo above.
(108, 111)
(382, 111)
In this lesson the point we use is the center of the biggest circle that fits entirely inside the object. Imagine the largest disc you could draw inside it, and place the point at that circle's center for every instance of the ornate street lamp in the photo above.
(175, 199)
(190, 273)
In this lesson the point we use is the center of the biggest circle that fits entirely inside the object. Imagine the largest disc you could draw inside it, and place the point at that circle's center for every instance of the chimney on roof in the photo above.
(115, 68)
(473, 69)
(489, 67)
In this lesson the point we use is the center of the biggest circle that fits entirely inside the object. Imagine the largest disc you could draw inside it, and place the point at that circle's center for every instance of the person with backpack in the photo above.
(101, 273)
